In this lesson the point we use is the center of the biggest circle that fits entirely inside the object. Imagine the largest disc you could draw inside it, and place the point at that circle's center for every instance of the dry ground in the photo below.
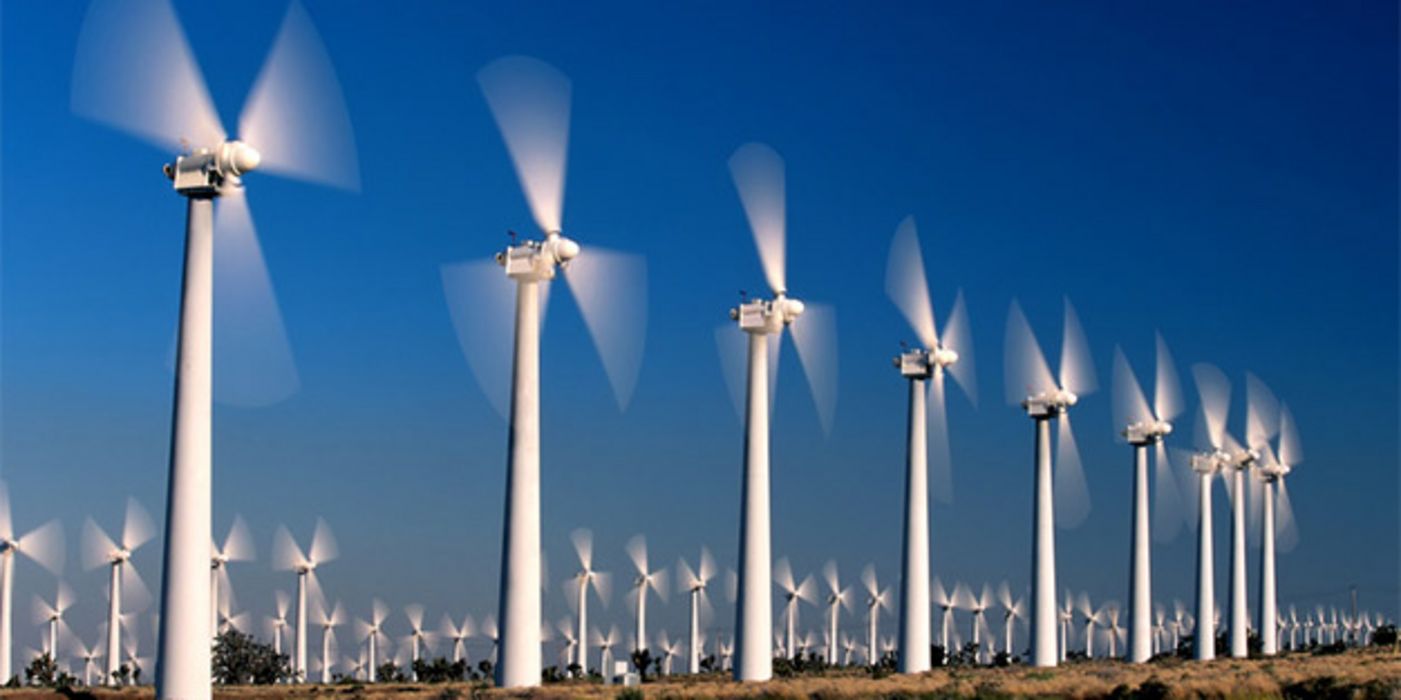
(1357, 674)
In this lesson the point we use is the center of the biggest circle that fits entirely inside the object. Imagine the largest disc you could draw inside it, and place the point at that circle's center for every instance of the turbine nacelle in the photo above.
(207, 172)
(767, 316)
(1147, 432)
(119, 556)
(537, 261)
(1241, 458)
(921, 364)
(1049, 404)
(1209, 462)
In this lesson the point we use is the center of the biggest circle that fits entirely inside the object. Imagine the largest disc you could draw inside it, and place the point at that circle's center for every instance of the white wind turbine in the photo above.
(876, 600)
(1210, 460)
(1047, 397)
(493, 634)
(837, 598)
(670, 650)
(569, 650)
(1261, 424)
(530, 101)
(694, 582)
(1012, 610)
(977, 605)
(758, 174)
(1113, 631)
(288, 556)
(1144, 426)
(277, 624)
(645, 580)
(577, 587)
(373, 632)
(1276, 522)
(99, 549)
(944, 599)
(605, 644)
(793, 593)
(328, 621)
(848, 649)
(51, 615)
(238, 546)
(88, 655)
(228, 619)
(44, 545)
(457, 634)
(1067, 616)
(135, 71)
(417, 638)
(1092, 617)
(927, 430)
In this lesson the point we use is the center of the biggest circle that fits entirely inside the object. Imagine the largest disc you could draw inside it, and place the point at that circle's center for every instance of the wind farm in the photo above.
(380, 461)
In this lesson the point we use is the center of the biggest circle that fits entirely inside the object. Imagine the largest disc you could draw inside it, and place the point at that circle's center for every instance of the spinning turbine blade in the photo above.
(481, 301)
(97, 546)
(940, 460)
(136, 595)
(134, 71)
(730, 343)
(137, 528)
(583, 546)
(1072, 496)
(44, 545)
(1214, 391)
(1077, 373)
(530, 101)
(758, 175)
(1291, 451)
(296, 116)
(253, 363)
(1167, 500)
(815, 335)
(7, 525)
(323, 543)
(286, 555)
(611, 289)
(1130, 405)
(1262, 412)
(238, 545)
(906, 284)
(1167, 390)
(1026, 371)
(1286, 528)
(959, 338)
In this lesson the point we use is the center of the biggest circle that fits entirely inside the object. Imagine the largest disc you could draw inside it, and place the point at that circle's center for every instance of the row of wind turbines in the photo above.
(135, 71)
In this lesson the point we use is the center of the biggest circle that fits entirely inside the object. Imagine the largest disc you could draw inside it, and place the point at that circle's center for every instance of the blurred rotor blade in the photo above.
(97, 546)
(238, 545)
(1130, 406)
(686, 579)
(906, 284)
(731, 585)
(775, 351)
(868, 581)
(137, 529)
(44, 545)
(1286, 528)
(637, 552)
(7, 525)
(829, 574)
(732, 345)
(1167, 500)
(286, 555)
(1004, 596)
(481, 301)
(583, 546)
(1167, 389)
(940, 459)
(414, 613)
(1214, 391)
(1025, 368)
(323, 543)
(1262, 412)
(253, 363)
(295, 115)
(379, 612)
(759, 178)
(658, 583)
(807, 590)
(1291, 451)
(815, 336)
(603, 584)
(283, 602)
(611, 290)
(938, 594)
(1072, 497)
(1077, 370)
(136, 596)
(706, 569)
(958, 337)
(530, 101)
(783, 576)
(134, 71)
(963, 597)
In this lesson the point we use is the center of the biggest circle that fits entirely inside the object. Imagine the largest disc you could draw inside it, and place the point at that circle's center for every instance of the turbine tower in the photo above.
(1214, 392)
(372, 631)
(646, 580)
(876, 600)
(1013, 610)
(1260, 426)
(44, 545)
(287, 556)
(52, 617)
(458, 634)
(1144, 426)
(1276, 523)
(1045, 398)
(530, 101)
(694, 583)
(100, 549)
(328, 621)
(758, 174)
(943, 598)
(135, 71)
(238, 546)
(579, 586)
(927, 429)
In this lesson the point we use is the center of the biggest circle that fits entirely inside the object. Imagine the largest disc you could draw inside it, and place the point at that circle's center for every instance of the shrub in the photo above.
(1384, 635)
(239, 659)
(630, 694)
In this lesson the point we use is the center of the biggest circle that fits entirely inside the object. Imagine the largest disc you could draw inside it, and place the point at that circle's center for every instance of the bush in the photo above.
(630, 694)
(43, 671)
(440, 670)
(1384, 635)
(239, 659)
(389, 672)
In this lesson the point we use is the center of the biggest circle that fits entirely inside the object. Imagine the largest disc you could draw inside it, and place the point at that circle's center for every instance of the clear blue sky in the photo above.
(1224, 173)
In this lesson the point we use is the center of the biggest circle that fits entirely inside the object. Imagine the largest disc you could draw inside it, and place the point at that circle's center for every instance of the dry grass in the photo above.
(1357, 674)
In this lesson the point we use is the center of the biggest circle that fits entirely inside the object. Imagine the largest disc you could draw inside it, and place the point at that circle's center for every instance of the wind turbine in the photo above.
(694, 582)
(458, 635)
(837, 598)
(876, 600)
(1047, 397)
(944, 599)
(530, 102)
(646, 580)
(569, 650)
(88, 655)
(1211, 458)
(793, 593)
(1144, 426)
(605, 644)
(100, 549)
(329, 621)
(135, 71)
(1113, 631)
(1067, 616)
(44, 545)
(51, 615)
(1261, 416)
(758, 174)
(670, 650)
(288, 556)
(579, 586)
(277, 624)
(238, 546)
(372, 631)
(927, 429)
(1276, 522)
(977, 605)
(417, 638)
(1012, 611)
(1092, 617)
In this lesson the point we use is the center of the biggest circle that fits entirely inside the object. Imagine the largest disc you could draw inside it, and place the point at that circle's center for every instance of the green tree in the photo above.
(239, 659)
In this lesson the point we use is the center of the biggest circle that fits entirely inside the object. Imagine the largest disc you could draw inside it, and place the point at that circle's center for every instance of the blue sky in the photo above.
(1224, 174)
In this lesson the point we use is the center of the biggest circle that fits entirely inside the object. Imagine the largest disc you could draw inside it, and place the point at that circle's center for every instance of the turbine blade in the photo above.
(686, 579)
(959, 337)
(707, 565)
(44, 545)
(7, 525)
(1025, 368)
(1291, 451)
(1214, 391)
(611, 290)
(775, 351)
(379, 613)
(1286, 527)
(759, 178)
(283, 602)
(1167, 500)
(137, 528)
(286, 555)
(1262, 412)
(731, 344)
(414, 613)
(238, 545)
(1167, 389)
(940, 459)
(829, 574)
(253, 363)
(134, 71)
(1072, 497)
(1077, 372)
(815, 335)
(1130, 406)
(906, 284)
(637, 552)
(530, 101)
(603, 584)
(296, 115)
(807, 590)
(783, 576)
(868, 581)
(323, 543)
(97, 546)
(136, 596)
(481, 302)
(583, 546)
